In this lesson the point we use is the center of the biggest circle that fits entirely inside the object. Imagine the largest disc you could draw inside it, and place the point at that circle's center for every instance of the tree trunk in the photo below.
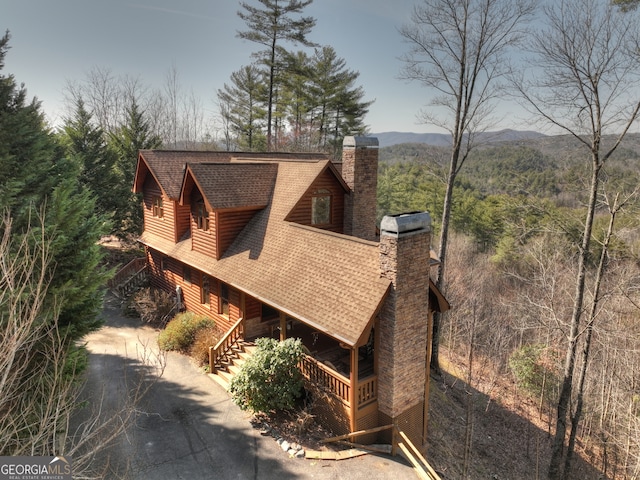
(566, 391)
(442, 253)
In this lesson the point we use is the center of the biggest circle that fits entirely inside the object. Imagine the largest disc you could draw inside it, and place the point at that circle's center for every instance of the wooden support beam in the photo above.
(356, 434)
(432, 473)
(366, 447)
(330, 455)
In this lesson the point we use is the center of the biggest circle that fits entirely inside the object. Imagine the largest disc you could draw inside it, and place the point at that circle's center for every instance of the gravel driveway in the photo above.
(186, 426)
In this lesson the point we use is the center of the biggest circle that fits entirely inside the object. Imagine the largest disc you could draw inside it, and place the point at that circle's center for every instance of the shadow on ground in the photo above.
(185, 425)
(504, 444)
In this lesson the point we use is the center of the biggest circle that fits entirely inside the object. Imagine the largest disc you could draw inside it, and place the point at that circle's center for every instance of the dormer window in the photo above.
(201, 215)
(321, 207)
(157, 208)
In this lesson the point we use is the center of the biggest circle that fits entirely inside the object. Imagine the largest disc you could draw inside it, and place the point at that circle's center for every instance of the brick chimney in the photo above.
(360, 172)
(403, 370)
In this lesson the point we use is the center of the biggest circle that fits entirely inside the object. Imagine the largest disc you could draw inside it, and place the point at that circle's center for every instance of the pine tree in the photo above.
(341, 109)
(37, 180)
(127, 141)
(85, 144)
(269, 27)
(244, 112)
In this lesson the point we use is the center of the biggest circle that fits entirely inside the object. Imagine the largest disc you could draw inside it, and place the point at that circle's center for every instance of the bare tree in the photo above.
(39, 387)
(585, 85)
(457, 50)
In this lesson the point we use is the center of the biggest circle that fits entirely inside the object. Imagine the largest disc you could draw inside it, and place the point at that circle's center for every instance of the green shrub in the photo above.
(533, 372)
(270, 379)
(180, 332)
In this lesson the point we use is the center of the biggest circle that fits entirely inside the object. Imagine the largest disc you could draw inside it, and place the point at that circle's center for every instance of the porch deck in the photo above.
(330, 352)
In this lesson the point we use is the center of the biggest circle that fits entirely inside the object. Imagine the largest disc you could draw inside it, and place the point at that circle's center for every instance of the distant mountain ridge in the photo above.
(387, 139)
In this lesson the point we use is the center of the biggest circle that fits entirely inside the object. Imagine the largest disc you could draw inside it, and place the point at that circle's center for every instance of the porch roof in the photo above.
(330, 281)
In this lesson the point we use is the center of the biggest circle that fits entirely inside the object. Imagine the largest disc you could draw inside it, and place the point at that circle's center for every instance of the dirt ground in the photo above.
(508, 438)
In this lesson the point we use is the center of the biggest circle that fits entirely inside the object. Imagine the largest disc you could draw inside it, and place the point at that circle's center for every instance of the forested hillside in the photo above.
(516, 218)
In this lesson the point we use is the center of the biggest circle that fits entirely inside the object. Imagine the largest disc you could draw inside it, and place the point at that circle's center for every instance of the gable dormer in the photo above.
(322, 205)
(159, 209)
(222, 198)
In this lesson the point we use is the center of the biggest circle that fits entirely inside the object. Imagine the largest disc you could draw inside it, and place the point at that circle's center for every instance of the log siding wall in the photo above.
(204, 241)
(228, 226)
(167, 273)
(162, 227)
(302, 211)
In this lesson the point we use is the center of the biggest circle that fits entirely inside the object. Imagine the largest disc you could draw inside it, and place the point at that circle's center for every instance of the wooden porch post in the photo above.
(243, 305)
(283, 327)
(353, 396)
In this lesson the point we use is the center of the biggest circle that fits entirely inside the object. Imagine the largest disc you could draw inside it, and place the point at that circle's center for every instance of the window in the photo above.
(269, 313)
(224, 299)
(201, 215)
(164, 263)
(321, 207)
(157, 208)
(186, 274)
(205, 290)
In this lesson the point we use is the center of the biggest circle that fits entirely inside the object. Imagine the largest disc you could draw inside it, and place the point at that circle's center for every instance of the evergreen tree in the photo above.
(340, 103)
(86, 145)
(269, 27)
(36, 179)
(297, 102)
(244, 99)
(127, 141)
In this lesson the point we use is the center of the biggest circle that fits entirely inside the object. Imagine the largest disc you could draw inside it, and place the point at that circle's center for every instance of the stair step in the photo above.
(230, 366)
(244, 356)
(220, 380)
(225, 376)
(249, 348)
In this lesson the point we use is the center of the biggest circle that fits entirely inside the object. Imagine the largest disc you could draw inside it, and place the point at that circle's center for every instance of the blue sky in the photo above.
(56, 41)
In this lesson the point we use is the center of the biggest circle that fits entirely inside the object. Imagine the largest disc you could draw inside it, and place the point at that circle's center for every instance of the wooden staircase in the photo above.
(230, 364)
(129, 278)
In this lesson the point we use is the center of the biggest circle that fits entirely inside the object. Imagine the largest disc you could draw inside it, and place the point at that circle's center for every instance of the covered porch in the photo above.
(345, 374)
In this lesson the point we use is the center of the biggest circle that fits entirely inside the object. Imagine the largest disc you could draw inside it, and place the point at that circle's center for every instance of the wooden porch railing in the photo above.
(129, 269)
(324, 376)
(367, 391)
(129, 277)
(339, 385)
(226, 345)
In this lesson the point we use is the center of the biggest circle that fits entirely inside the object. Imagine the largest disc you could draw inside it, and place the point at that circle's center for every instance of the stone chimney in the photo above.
(403, 369)
(360, 172)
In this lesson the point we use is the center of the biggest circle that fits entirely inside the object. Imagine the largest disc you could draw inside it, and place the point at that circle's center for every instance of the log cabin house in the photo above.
(282, 245)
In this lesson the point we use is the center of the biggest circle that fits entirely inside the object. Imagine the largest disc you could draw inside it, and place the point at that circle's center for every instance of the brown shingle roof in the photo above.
(327, 280)
(235, 185)
(168, 166)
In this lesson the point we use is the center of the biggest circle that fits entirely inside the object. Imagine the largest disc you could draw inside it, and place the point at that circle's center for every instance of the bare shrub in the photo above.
(154, 306)
(204, 338)
(40, 387)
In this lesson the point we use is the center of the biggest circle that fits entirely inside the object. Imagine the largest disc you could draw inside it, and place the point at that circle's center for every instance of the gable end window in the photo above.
(201, 215)
(321, 207)
(157, 208)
